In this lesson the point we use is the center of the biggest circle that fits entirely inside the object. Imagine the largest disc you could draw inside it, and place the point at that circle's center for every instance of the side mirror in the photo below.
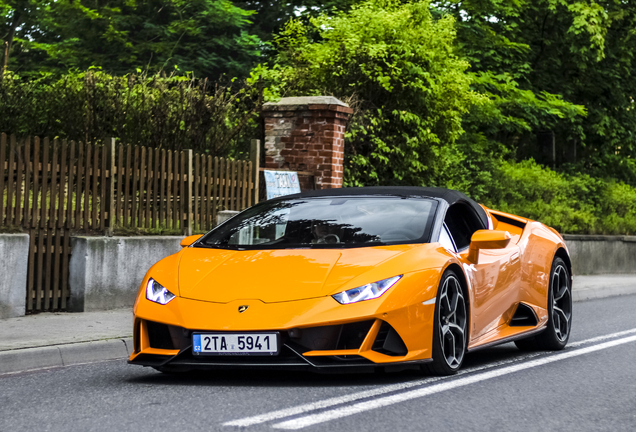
(190, 239)
(487, 239)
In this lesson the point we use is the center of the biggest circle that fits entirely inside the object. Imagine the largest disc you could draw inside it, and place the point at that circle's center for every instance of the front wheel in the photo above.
(557, 332)
(450, 328)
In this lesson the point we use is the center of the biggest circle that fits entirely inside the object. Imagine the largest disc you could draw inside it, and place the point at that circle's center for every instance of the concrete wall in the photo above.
(597, 255)
(105, 272)
(224, 215)
(14, 257)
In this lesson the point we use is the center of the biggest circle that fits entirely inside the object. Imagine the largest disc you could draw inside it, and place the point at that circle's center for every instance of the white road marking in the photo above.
(601, 338)
(327, 403)
(345, 411)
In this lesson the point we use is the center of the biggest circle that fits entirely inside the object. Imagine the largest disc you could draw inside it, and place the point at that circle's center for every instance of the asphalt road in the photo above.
(589, 386)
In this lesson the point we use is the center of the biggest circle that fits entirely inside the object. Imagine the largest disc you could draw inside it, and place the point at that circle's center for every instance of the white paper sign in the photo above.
(279, 183)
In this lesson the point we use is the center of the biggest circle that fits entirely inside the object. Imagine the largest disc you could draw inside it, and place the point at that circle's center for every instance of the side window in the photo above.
(462, 222)
(445, 239)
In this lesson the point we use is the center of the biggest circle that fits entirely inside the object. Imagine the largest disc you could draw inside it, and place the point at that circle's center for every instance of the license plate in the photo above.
(235, 343)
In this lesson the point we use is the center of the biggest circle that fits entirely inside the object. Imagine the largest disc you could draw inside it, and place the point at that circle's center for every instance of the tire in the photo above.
(450, 329)
(557, 333)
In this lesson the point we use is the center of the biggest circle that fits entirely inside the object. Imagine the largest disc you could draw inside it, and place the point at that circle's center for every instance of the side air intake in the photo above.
(524, 317)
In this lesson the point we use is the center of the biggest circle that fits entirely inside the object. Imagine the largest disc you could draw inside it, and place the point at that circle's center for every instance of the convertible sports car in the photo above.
(355, 277)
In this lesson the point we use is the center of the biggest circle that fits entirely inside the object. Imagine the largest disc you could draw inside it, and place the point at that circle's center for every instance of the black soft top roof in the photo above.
(448, 195)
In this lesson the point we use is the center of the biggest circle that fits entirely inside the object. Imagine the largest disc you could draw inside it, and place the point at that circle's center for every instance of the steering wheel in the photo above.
(329, 239)
(398, 234)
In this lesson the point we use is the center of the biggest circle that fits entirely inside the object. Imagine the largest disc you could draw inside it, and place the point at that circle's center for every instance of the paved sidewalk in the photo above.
(64, 328)
(62, 339)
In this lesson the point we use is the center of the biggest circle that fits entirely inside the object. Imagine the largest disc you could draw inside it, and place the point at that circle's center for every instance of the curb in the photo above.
(598, 293)
(601, 286)
(27, 359)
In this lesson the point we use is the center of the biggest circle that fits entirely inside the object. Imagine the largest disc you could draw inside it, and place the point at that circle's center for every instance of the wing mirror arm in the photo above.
(487, 239)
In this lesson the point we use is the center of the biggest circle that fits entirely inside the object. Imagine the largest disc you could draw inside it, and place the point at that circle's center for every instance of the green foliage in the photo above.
(398, 67)
(454, 93)
(569, 203)
(560, 66)
(423, 117)
(271, 16)
(206, 37)
(170, 112)
(579, 52)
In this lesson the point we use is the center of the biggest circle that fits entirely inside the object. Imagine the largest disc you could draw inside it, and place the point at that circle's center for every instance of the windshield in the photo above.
(333, 222)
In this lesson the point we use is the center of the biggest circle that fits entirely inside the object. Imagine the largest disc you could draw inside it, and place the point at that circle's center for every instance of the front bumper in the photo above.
(359, 344)
(315, 333)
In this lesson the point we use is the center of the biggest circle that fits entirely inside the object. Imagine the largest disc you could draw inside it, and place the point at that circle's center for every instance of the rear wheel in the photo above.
(557, 331)
(450, 327)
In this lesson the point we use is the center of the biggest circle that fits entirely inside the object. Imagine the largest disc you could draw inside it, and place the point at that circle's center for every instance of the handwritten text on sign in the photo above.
(279, 183)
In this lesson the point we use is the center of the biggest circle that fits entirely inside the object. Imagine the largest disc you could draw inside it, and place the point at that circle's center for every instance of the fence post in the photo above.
(255, 156)
(111, 190)
(189, 219)
(3, 144)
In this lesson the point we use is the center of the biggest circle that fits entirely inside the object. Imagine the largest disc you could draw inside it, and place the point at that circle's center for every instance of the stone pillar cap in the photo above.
(303, 103)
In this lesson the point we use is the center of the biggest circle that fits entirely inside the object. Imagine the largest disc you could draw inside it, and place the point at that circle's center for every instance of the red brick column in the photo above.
(307, 134)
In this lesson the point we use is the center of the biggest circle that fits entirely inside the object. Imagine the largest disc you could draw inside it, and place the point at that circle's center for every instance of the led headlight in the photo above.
(367, 292)
(157, 293)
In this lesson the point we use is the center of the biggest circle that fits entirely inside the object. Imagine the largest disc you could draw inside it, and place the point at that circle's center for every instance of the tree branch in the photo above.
(17, 17)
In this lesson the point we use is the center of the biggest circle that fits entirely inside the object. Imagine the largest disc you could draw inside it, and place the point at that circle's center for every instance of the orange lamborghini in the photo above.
(355, 277)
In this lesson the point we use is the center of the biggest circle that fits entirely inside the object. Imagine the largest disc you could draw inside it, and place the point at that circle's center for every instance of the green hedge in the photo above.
(570, 203)
(163, 112)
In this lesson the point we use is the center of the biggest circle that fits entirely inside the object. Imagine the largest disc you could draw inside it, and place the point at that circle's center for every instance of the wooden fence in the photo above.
(53, 189)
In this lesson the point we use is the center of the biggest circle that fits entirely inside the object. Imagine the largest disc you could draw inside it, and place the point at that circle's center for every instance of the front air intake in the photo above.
(389, 342)
(159, 335)
(164, 336)
(352, 335)
(334, 337)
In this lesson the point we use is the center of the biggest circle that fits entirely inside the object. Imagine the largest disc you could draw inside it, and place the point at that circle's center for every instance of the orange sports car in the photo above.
(355, 277)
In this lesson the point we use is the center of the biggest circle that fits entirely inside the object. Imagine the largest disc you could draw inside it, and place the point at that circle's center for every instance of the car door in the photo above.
(494, 278)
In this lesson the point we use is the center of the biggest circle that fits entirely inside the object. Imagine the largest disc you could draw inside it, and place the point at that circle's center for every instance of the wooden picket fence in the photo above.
(54, 189)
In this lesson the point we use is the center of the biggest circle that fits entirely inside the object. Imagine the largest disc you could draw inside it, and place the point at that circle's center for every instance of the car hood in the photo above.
(222, 276)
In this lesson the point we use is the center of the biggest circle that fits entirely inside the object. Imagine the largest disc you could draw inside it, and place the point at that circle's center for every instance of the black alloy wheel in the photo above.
(555, 336)
(450, 332)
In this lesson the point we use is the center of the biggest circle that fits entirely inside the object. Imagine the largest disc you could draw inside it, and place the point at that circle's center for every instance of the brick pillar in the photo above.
(307, 134)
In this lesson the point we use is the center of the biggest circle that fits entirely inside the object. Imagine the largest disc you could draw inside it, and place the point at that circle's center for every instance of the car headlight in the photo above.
(157, 293)
(366, 292)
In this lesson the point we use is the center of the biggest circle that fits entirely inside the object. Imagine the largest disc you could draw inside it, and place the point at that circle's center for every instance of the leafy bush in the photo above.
(157, 111)
(398, 68)
(577, 204)
(422, 118)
